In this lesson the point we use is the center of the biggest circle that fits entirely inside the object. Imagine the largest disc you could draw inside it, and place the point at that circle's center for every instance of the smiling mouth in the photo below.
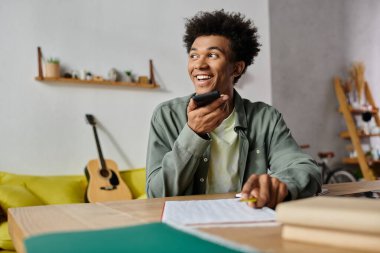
(203, 77)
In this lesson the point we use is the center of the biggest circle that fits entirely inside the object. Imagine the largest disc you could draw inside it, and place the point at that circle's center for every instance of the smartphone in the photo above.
(206, 98)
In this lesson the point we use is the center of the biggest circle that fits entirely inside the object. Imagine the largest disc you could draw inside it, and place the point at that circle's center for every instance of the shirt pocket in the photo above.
(257, 160)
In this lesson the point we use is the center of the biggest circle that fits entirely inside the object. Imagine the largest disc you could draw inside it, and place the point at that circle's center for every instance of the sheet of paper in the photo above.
(208, 212)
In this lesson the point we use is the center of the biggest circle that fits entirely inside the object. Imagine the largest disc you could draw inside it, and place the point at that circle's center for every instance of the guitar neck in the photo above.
(101, 158)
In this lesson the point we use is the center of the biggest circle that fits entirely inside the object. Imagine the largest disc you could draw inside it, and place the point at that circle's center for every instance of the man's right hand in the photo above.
(205, 119)
(269, 191)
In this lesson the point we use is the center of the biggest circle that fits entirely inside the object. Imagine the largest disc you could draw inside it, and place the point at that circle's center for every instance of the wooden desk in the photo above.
(351, 188)
(27, 221)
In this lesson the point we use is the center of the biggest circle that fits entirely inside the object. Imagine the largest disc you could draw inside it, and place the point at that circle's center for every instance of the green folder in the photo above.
(152, 237)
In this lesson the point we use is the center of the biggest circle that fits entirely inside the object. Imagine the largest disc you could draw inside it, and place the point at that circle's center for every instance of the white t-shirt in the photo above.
(223, 170)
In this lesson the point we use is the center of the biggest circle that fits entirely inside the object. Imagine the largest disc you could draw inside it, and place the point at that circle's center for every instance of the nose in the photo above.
(201, 63)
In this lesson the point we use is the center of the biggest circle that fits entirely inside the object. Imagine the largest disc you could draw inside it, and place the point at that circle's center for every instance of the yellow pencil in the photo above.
(250, 200)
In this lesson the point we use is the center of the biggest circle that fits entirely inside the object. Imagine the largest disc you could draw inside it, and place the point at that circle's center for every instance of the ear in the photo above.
(239, 68)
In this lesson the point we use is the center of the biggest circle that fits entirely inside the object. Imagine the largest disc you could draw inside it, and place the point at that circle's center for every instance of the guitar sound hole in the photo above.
(104, 173)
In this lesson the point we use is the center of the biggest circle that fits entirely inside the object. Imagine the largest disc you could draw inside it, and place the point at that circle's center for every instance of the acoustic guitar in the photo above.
(104, 182)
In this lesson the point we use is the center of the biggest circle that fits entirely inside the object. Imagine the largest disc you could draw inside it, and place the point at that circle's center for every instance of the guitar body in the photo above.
(102, 188)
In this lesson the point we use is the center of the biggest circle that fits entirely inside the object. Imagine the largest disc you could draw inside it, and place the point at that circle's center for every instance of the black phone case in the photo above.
(206, 98)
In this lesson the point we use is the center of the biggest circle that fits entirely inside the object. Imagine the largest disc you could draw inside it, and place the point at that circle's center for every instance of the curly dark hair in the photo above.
(241, 33)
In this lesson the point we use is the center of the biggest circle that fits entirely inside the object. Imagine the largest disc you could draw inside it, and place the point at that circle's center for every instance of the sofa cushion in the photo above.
(135, 180)
(58, 189)
(17, 196)
(28, 190)
(63, 189)
(5, 239)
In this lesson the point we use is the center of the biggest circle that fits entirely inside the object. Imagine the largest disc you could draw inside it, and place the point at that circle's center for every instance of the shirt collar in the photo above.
(241, 119)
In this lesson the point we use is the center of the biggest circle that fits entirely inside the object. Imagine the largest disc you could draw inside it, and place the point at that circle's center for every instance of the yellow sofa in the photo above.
(29, 190)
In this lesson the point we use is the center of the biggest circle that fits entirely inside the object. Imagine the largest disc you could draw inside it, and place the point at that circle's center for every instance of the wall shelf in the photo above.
(151, 85)
(360, 111)
(355, 161)
(105, 82)
(360, 133)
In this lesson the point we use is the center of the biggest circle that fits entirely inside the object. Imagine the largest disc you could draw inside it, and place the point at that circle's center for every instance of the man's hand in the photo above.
(205, 119)
(269, 191)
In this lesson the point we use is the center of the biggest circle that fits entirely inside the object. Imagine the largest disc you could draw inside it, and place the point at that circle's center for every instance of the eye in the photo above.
(193, 56)
(213, 55)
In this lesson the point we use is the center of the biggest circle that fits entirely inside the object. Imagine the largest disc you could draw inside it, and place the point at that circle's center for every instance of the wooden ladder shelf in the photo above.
(353, 133)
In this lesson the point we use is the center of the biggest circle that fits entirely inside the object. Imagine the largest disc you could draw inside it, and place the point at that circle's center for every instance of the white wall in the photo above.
(42, 126)
(362, 34)
(311, 42)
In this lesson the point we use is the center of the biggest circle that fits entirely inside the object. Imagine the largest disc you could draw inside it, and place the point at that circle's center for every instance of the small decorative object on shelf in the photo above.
(129, 76)
(75, 74)
(98, 78)
(143, 79)
(113, 75)
(89, 76)
(67, 75)
(85, 77)
(52, 68)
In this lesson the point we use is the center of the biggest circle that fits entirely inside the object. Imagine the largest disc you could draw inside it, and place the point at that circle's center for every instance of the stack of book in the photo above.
(346, 222)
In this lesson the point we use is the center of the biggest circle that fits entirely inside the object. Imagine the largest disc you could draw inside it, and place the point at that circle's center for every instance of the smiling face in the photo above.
(210, 66)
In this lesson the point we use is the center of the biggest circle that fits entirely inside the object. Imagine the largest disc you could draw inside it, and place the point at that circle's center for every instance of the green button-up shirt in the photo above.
(178, 159)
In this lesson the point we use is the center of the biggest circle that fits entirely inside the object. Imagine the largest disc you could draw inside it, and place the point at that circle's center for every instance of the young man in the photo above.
(231, 144)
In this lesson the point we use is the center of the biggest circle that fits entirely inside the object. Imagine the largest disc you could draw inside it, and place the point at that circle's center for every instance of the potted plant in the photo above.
(52, 68)
(129, 76)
